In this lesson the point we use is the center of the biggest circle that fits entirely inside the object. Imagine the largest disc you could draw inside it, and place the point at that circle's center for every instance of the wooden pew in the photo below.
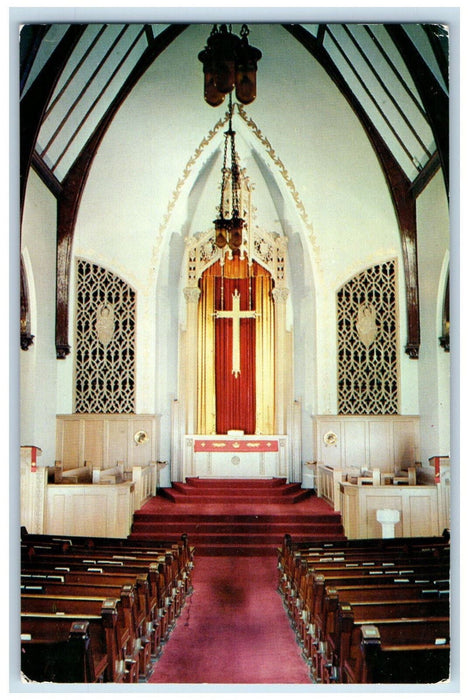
(399, 651)
(311, 594)
(116, 547)
(77, 475)
(166, 586)
(138, 612)
(290, 551)
(120, 667)
(292, 573)
(295, 584)
(330, 548)
(310, 619)
(63, 649)
(291, 554)
(150, 580)
(400, 577)
(338, 625)
(320, 623)
(154, 620)
(55, 592)
(134, 647)
(161, 596)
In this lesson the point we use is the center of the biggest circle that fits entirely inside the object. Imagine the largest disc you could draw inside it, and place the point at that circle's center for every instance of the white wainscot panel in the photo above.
(379, 437)
(354, 438)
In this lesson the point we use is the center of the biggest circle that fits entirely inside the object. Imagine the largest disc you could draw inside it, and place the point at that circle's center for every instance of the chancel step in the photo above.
(237, 517)
(220, 490)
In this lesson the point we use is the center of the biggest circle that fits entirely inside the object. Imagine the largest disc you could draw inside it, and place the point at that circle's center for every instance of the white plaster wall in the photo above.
(38, 365)
(433, 363)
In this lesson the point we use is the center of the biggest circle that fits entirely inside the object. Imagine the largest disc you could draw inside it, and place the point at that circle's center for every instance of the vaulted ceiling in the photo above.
(75, 77)
(394, 72)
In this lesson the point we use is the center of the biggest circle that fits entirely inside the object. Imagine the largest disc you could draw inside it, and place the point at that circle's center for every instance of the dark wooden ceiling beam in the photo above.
(35, 100)
(425, 175)
(74, 183)
(434, 98)
(47, 176)
(398, 183)
(31, 39)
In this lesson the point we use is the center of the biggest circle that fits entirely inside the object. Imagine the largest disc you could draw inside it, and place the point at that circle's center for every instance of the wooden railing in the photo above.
(328, 484)
(146, 481)
(103, 505)
(102, 510)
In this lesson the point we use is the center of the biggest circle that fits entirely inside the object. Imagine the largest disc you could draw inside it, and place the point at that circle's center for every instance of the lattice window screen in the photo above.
(367, 343)
(105, 342)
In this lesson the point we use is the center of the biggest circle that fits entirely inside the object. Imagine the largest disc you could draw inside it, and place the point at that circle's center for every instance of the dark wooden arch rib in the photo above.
(400, 187)
(74, 183)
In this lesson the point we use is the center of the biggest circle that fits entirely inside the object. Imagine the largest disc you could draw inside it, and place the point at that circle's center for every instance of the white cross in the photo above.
(236, 315)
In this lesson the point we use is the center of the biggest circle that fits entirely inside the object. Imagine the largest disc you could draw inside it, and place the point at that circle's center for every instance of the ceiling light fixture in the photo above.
(229, 62)
(229, 230)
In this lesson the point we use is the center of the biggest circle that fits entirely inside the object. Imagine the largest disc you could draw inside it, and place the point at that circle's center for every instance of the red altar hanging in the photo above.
(235, 445)
(235, 394)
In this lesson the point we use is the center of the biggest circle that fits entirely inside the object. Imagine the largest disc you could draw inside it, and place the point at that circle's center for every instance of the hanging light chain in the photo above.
(223, 180)
(234, 168)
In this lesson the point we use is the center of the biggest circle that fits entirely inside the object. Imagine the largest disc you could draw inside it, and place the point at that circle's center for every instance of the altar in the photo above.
(231, 457)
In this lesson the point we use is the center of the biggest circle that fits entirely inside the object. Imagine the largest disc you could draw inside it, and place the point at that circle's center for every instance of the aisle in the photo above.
(233, 628)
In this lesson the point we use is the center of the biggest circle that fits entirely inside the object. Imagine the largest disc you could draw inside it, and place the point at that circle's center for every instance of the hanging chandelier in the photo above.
(229, 62)
(229, 229)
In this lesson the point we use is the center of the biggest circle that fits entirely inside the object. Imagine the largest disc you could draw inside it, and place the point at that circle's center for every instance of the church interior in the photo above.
(235, 353)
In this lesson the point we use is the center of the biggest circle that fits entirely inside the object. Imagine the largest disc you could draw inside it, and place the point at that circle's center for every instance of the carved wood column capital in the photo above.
(280, 295)
(191, 295)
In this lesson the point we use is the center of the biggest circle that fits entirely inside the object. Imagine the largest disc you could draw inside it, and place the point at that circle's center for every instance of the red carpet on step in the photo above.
(236, 517)
(233, 628)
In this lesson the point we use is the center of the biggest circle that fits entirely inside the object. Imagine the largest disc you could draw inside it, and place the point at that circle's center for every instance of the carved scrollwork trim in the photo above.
(285, 175)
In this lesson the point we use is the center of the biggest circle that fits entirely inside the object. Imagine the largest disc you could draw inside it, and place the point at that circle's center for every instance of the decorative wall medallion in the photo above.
(141, 437)
(330, 439)
(366, 326)
(235, 460)
(104, 323)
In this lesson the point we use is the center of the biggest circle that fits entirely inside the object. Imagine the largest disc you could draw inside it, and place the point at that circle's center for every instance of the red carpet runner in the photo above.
(233, 629)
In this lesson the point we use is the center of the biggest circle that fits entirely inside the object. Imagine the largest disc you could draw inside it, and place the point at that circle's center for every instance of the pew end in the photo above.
(47, 659)
(426, 662)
